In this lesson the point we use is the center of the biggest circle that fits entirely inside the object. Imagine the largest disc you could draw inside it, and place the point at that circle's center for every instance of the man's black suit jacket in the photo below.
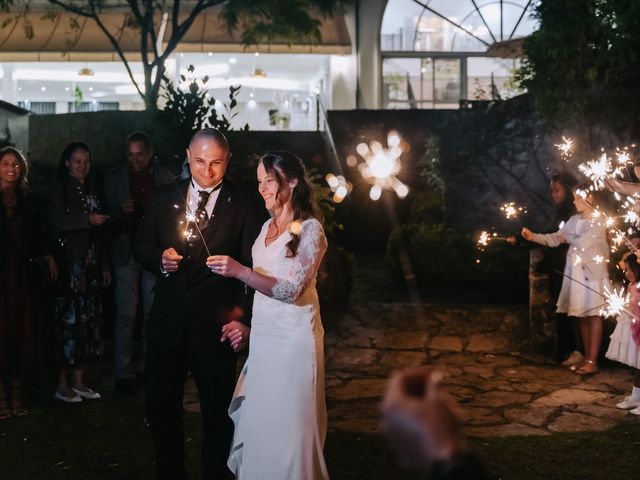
(189, 304)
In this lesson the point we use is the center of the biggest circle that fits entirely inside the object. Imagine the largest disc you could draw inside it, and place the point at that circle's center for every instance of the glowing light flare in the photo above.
(375, 192)
(393, 139)
(511, 210)
(566, 147)
(623, 157)
(295, 227)
(616, 302)
(339, 186)
(599, 170)
(631, 217)
(485, 237)
(380, 166)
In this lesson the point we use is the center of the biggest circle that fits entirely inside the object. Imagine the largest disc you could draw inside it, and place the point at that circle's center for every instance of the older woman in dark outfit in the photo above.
(74, 206)
(20, 243)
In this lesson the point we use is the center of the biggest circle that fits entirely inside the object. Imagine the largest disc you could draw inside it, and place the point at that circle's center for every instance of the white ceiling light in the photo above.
(86, 72)
(233, 60)
(62, 76)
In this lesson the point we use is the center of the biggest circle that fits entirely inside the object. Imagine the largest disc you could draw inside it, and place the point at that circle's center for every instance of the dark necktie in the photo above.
(202, 218)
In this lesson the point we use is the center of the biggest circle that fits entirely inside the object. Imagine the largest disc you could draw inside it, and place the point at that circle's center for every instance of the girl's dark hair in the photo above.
(24, 168)
(632, 264)
(286, 166)
(69, 150)
(566, 179)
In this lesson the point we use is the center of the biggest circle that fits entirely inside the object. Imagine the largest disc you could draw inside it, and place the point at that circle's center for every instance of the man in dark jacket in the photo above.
(186, 222)
(128, 189)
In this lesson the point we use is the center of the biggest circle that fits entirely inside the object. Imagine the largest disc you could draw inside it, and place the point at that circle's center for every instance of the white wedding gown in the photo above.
(279, 407)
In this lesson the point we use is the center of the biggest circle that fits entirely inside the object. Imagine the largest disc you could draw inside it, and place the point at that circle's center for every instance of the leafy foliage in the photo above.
(190, 109)
(193, 108)
(586, 69)
(442, 257)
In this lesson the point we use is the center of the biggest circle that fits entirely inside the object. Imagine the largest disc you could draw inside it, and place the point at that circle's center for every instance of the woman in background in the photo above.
(20, 244)
(74, 216)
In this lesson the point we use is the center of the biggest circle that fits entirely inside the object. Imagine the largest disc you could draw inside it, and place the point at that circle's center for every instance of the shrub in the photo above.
(442, 257)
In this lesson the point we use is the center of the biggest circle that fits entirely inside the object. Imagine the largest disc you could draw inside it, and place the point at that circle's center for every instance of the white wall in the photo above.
(369, 64)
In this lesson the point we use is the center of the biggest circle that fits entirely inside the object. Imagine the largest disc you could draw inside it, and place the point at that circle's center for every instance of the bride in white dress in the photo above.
(279, 406)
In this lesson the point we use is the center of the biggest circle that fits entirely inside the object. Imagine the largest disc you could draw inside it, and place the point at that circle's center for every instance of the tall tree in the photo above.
(583, 67)
(263, 21)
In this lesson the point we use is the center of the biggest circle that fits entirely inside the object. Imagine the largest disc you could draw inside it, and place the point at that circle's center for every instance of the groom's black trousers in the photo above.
(214, 374)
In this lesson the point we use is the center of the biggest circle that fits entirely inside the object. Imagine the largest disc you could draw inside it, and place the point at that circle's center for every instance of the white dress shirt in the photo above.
(193, 196)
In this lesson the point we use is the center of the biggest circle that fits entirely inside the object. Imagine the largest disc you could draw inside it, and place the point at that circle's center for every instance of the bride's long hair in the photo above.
(286, 166)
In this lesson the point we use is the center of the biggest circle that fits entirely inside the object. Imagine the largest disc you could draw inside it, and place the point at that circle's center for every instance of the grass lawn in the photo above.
(108, 439)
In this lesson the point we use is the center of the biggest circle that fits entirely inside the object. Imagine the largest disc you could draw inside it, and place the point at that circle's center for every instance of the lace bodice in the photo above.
(294, 274)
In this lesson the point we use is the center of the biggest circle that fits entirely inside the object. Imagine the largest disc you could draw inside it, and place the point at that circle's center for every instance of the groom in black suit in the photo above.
(192, 303)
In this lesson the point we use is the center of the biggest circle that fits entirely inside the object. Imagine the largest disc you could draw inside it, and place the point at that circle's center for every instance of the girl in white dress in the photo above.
(625, 339)
(585, 273)
(279, 407)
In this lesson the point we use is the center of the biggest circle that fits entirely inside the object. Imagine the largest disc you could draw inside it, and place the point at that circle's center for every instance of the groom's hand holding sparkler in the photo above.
(171, 260)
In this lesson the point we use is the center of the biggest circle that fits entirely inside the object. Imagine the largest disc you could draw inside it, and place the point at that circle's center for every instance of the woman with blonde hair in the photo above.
(20, 244)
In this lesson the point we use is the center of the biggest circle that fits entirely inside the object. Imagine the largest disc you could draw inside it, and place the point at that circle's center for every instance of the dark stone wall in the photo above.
(488, 156)
(505, 170)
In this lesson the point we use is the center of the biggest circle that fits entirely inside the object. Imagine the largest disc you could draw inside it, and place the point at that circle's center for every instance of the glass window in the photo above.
(92, 107)
(39, 108)
(445, 25)
(491, 78)
(421, 82)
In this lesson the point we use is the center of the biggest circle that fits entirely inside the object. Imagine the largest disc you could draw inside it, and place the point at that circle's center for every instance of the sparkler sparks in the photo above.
(566, 147)
(511, 210)
(485, 237)
(381, 165)
(599, 170)
(616, 302)
(339, 186)
(191, 222)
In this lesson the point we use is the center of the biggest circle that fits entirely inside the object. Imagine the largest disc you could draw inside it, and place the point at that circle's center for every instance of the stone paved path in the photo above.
(502, 392)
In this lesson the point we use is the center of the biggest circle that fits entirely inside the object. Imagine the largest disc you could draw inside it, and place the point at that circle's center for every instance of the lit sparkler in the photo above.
(566, 147)
(485, 237)
(615, 302)
(191, 222)
(513, 211)
(599, 170)
(381, 165)
(339, 186)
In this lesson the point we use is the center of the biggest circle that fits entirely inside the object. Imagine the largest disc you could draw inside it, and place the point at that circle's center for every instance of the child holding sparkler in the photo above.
(625, 339)
(567, 332)
(585, 272)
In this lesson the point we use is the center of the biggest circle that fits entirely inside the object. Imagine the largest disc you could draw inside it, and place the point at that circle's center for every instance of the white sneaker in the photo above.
(629, 403)
(58, 396)
(89, 394)
(635, 411)
(574, 359)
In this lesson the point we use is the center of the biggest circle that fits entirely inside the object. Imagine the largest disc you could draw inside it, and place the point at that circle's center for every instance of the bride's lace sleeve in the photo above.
(304, 266)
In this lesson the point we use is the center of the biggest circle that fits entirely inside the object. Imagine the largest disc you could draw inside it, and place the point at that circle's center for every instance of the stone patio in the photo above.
(501, 390)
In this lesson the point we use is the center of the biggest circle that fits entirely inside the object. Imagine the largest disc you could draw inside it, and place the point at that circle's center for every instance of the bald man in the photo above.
(184, 222)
